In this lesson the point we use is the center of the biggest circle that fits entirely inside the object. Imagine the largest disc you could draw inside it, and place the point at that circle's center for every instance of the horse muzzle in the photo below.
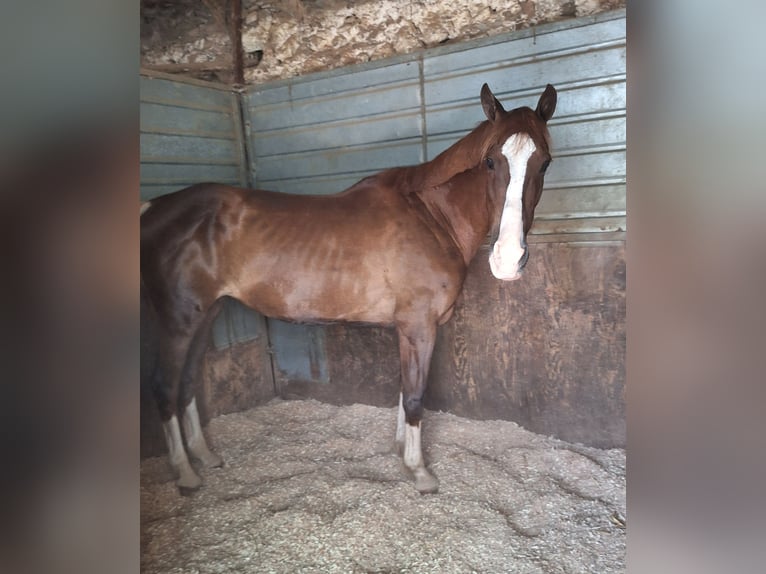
(506, 272)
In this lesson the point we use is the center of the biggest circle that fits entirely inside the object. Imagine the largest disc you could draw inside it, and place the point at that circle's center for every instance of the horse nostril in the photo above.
(524, 258)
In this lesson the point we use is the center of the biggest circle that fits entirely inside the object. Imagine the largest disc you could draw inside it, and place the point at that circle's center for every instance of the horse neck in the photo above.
(465, 215)
(459, 157)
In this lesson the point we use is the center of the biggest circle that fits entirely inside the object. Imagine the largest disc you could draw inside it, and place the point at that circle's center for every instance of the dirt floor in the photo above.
(314, 488)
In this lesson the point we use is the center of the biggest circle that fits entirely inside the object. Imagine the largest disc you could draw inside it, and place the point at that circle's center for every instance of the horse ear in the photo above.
(547, 104)
(492, 107)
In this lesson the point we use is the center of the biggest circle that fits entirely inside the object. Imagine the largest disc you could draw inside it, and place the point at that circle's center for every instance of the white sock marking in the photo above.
(192, 428)
(195, 440)
(400, 420)
(413, 456)
(413, 460)
(176, 451)
(508, 249)
(177, 454)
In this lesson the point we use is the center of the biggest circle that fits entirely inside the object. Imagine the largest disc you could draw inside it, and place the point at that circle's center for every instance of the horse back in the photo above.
(350, 256)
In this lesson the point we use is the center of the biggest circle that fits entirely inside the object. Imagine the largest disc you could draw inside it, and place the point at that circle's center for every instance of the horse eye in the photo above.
(545, 167)
(490, 163)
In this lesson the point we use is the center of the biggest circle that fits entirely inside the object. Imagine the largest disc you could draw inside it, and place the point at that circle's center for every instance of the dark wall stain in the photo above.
(547, 351)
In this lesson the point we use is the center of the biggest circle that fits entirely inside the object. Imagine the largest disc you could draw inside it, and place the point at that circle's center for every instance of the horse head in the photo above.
(521, 137)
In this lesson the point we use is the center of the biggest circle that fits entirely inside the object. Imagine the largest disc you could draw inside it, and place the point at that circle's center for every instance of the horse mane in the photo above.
(459, 157)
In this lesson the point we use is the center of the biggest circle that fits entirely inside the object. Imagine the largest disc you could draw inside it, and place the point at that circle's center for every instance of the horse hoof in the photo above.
(213, 461)
(188, 487)
(426, 484)
(187, 491)
(208, 458)
(188, 482)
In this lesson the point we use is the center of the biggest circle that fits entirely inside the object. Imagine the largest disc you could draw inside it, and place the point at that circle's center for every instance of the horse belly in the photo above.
(342, 300)
(324, 297)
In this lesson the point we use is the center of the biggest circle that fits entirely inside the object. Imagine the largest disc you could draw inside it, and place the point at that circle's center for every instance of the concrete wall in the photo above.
(286, 38)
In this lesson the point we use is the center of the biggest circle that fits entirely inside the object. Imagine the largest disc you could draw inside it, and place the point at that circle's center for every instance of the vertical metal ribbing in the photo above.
(243, 125)
(423, 126)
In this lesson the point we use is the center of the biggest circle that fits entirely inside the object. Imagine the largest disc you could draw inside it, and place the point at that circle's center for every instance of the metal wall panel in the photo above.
(298, 353)
(190, 132)
(585, 61)
(322, 133)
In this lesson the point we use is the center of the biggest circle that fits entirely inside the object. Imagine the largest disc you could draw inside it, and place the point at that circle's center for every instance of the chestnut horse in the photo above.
(391, 250)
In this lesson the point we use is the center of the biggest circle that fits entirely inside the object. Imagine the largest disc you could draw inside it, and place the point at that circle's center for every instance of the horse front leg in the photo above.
(416, 343)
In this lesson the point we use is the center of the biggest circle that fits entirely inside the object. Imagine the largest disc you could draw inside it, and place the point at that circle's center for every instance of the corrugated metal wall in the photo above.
(190, 132)
(321, 133)
(584, 196)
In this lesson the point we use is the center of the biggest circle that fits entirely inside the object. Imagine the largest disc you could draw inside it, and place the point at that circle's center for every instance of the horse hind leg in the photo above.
(187, 480)
(415, 349)
(195, 440)
(181, 358)
(192, 429)
(400, 422)
(167, 383)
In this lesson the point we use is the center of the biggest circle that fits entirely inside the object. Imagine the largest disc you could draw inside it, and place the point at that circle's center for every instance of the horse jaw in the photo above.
(507, 258)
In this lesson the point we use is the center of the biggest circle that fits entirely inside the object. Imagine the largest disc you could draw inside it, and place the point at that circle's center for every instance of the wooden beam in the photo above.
(211, 66)
(175, 68)
(235, 34)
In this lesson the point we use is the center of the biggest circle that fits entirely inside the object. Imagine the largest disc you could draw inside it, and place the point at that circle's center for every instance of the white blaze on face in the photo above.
(509, 247)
